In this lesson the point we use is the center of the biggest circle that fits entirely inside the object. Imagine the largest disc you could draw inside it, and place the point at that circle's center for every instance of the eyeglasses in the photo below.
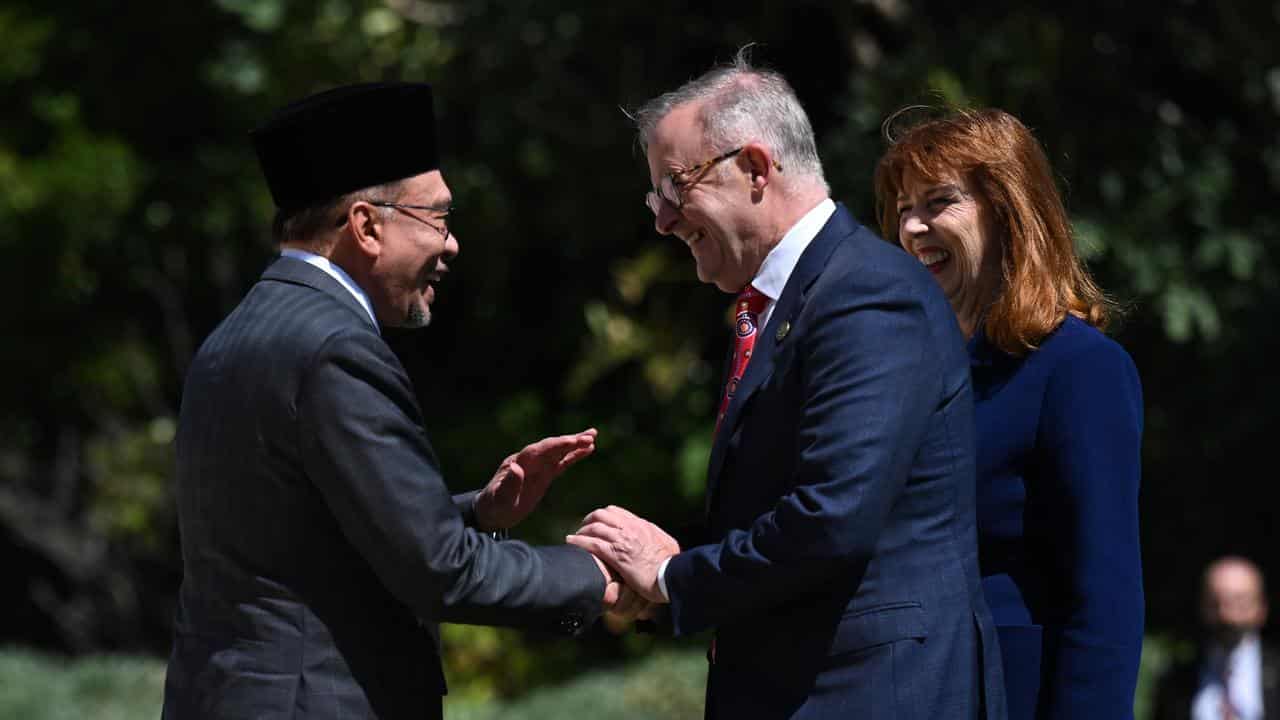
(671, 186)
(444, 219)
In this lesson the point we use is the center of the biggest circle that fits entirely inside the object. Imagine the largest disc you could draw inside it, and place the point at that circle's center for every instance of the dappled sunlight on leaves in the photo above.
(130, 470)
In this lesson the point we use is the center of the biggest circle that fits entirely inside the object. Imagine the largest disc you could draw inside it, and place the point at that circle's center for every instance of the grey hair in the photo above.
(741, 104)
(305, 226)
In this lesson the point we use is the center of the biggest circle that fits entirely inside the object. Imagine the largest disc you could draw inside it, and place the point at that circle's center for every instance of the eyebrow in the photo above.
(945, 187)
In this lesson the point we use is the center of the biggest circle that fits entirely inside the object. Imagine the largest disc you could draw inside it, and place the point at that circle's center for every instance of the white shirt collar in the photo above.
(781, 260)
(336, 273)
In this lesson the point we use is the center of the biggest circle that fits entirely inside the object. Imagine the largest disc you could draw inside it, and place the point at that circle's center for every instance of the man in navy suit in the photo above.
(320, 546)
(839, 567)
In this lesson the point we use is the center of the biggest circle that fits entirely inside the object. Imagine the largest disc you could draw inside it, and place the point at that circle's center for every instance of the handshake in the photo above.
(628, 549)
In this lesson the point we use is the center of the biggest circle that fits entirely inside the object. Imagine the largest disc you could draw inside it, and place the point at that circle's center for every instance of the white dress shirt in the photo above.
(336, 273)
(770, 280)
(1242, 667)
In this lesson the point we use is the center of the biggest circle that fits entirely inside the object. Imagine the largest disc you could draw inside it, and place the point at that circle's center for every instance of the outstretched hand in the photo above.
(523, 478)
(630, 545)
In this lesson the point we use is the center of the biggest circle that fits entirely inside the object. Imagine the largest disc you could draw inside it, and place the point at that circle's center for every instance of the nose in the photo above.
(665, 221)
(911, 228)
(451, 249)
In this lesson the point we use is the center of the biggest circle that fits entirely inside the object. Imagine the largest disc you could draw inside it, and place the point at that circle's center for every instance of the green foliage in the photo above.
(669, 686)
(103, 687)
(1159, 653)
(487, 663)
(130, 496)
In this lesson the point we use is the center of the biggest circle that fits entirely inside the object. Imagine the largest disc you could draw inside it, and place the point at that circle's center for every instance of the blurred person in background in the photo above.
(320, 545)
(1234, 676)
(1059, 407)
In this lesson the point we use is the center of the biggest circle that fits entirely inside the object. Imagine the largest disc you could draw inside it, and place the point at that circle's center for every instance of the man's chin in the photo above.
(419, 316)
(1228, 637)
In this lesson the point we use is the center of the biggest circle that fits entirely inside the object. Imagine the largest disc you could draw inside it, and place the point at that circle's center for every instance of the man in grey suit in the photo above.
(320, 545)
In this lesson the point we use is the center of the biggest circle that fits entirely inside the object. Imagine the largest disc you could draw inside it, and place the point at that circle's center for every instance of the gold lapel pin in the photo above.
(783, 330)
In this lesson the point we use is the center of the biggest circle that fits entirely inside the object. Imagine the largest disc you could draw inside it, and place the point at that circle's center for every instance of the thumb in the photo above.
(612, 591)
(516, 470)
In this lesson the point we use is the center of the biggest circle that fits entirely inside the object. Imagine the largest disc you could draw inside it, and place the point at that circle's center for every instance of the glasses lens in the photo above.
(669, 192)
(653, 202)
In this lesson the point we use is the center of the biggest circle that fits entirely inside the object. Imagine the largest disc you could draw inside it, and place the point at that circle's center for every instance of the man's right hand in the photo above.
(612, 588)
(631, 606)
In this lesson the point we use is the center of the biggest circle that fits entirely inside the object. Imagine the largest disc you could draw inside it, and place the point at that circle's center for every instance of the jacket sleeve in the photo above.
(1091, 434)
(466, 505)
(364, 447)
(867, 390)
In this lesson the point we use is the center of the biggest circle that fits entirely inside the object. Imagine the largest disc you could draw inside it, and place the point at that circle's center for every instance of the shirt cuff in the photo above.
(662, 579)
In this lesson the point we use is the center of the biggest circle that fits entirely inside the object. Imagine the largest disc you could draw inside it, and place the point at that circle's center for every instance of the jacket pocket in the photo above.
(868, 627)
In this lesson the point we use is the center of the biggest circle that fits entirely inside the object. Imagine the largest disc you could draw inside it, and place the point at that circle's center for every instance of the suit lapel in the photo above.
(810, 265)
(298, 272)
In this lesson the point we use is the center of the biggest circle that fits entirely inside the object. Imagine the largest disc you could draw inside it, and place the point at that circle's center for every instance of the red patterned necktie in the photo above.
(747, 309)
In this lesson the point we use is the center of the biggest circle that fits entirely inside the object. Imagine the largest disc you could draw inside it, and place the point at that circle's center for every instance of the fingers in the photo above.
(615, 516)
(574, 456)
(606, 515)
(625, 513)
(600, 531)
(595, 546)
(562, 443)
(515, 469)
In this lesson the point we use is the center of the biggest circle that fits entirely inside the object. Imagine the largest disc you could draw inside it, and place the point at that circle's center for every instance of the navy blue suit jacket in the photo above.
(320, 546)
(1059, 442)
(841, 577)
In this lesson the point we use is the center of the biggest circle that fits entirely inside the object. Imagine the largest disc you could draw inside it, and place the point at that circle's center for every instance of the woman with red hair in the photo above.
(1058, 403)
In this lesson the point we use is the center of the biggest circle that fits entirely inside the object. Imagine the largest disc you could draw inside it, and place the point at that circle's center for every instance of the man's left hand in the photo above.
(523, 478)
(631, 545)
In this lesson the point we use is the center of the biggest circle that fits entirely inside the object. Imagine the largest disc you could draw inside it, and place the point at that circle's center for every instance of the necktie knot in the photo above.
(747, 309)
(752, 299)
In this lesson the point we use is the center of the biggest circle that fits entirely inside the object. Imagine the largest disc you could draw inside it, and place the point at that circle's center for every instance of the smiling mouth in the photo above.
(694, 239)
(934, 259)
(429, 282)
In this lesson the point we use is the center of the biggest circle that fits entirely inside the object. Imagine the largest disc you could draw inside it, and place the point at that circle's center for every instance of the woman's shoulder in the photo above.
(1076, 352)
(1075, 338)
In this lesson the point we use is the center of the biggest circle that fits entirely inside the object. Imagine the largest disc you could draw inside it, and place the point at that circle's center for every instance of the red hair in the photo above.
(1043, 277)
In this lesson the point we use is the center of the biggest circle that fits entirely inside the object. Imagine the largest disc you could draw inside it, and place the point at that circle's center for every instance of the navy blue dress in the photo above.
(1059, 445)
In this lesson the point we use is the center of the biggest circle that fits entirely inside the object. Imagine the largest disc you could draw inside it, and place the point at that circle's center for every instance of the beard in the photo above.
(417, 317)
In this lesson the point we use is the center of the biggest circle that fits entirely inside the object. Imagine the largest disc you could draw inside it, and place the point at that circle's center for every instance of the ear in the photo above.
(366, 227)
(760, 164)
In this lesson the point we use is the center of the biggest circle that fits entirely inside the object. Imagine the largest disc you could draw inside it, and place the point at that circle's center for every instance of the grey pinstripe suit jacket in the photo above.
(320, 544)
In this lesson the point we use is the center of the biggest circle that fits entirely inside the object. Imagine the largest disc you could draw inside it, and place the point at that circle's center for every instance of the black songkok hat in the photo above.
(304, 149)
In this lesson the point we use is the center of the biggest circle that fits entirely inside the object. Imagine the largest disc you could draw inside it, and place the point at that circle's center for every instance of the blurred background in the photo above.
(133, 217)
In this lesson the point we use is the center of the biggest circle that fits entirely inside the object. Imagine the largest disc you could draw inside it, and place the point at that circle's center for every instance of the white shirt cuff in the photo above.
(662, 579)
